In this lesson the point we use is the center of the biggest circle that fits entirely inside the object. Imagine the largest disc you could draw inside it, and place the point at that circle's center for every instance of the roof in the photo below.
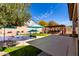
(36, 26)
(72, 9)
(33, 24)
(56, 26)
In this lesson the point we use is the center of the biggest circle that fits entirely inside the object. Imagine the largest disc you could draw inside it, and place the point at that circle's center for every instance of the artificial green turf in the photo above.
(23, 51)
(39, 34)
(36, 34)
(11, 49)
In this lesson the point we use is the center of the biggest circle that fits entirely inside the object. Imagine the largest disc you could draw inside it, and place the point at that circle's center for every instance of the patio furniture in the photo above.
(17, 33)
(34, 36)
(10, 43)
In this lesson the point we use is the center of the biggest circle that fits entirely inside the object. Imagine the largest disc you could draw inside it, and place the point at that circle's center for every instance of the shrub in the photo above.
(2, 48)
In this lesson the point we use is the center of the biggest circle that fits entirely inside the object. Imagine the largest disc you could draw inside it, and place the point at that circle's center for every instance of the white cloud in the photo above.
(37, 18)
(45, 15)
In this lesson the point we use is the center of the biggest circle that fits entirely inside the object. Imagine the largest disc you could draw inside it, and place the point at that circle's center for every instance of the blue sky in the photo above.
(57, 12)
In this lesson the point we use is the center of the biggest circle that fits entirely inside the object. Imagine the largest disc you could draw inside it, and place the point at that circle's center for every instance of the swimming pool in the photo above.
(14, 38)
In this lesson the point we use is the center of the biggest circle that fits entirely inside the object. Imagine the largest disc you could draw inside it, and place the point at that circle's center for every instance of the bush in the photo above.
(2, 48)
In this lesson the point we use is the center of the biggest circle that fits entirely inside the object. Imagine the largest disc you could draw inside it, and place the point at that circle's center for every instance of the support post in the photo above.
(78, 18)
(78, 29)
(74, 28)
(4, 33)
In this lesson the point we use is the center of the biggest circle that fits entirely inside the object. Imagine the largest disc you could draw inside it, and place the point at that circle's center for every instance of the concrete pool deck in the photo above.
(4, 54)
(56, 45)
(20, 40)
(24, 42)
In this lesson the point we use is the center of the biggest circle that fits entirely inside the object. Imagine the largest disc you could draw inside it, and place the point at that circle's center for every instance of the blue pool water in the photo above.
(14, 38)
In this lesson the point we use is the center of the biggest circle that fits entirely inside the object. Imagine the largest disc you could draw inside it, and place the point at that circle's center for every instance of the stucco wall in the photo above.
(13, 32)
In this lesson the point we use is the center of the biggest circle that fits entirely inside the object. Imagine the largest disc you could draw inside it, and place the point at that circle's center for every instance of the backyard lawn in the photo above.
(40, 34)
(22, 51)
(36, 34)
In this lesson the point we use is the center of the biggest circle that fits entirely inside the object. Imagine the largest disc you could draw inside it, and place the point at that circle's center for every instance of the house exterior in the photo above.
(13, 31)
(20, 29)
(7, 32)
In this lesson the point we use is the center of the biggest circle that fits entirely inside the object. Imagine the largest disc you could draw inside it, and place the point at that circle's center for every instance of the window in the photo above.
(22, 31)
(9, 32)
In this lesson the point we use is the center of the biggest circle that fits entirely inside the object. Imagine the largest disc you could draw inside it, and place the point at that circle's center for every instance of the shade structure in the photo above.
(36, 26)
(33, 30)
(8, 26)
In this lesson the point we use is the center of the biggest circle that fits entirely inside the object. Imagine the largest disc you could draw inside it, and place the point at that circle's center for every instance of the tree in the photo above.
(14, 14)
(52, 23)
(43, 23)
